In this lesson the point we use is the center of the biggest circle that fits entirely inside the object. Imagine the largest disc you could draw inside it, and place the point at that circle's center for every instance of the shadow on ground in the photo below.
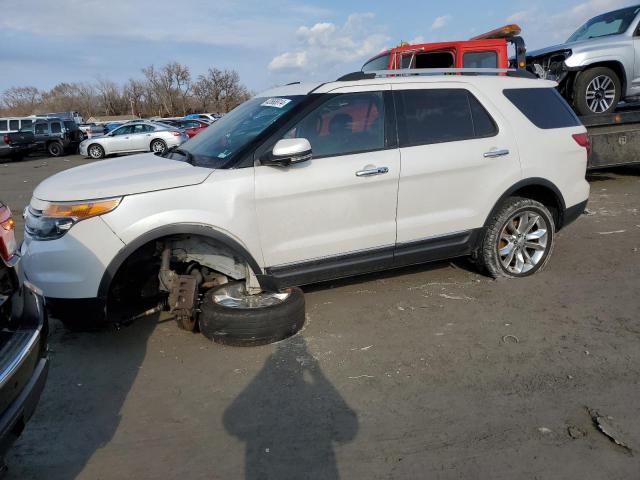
(289, 417)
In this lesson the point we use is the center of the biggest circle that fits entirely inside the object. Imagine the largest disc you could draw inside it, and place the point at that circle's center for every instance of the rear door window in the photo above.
(14, 125)
(26, 125)
(441, 115)
(56, 127)
(42, 128)
(544, 107)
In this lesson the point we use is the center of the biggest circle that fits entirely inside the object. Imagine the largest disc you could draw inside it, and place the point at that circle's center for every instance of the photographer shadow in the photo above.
(290, 416)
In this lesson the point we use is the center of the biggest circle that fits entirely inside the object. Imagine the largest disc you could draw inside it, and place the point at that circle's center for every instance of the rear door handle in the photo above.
(372, 171)
(496, 153)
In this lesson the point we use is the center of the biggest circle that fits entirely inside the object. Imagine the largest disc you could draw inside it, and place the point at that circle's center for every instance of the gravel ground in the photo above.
(426, 372)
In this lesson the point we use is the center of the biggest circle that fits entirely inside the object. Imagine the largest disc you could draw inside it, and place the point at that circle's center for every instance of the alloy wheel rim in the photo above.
(600, 94)
(94, 152)
(234, 295)
(523, 242)
(158, 147)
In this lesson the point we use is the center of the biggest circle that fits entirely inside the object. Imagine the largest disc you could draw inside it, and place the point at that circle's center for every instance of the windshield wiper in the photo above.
(188, 155)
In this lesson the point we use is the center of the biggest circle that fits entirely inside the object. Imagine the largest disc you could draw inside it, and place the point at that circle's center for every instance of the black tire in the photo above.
(582, 82)
(55, 149)
(95, 151)
(488, 256)
(158, 146)
(245, 327)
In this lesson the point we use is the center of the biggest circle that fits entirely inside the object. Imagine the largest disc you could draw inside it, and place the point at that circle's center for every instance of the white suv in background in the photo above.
(307, 183)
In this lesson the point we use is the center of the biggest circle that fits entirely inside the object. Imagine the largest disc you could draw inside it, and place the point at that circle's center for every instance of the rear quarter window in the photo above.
(544, 107)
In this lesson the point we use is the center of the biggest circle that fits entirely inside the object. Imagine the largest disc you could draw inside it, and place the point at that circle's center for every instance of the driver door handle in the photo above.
(496, 153)
(372, 171)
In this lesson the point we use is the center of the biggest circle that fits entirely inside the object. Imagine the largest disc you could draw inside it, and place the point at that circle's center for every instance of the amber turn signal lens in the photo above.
(8, 224)
(81, 210)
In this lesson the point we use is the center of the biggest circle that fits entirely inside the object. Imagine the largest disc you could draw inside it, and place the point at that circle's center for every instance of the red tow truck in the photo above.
(615, 138)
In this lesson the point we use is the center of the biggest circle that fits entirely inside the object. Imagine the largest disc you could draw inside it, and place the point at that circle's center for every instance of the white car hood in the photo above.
(120, 176)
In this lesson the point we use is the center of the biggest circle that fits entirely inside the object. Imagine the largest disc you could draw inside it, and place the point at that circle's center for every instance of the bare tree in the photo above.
(21, 100)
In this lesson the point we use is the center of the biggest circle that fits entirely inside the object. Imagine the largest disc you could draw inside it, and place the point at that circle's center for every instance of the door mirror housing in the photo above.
(289, 151)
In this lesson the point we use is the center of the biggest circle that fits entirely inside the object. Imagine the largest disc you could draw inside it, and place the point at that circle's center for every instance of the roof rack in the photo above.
(409, 72)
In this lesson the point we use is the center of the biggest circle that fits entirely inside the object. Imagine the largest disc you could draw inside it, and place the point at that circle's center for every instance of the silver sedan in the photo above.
(132, 138)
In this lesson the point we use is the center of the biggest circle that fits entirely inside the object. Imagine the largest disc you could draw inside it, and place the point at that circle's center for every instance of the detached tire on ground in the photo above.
(230, 317)
(518, 239)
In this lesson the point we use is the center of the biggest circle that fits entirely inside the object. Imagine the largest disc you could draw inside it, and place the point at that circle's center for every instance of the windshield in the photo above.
(611, 23)
(218, 144)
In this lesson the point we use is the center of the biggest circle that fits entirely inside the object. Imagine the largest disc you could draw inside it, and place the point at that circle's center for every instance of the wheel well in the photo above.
(545, 196)
(136, 277)
(617, 67)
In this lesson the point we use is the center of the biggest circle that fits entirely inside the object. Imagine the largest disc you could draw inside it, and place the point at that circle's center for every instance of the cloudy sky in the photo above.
(269, 42)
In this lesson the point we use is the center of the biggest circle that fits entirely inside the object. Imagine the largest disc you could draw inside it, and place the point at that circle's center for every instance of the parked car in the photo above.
(23, 342)
(111, 126)
(597, 66)
(17, 145)
(210, 117)
(15, 124)
(92, 130)
(73, 116)
(312, 182)
(141, 136)
(191, 127)
(56, 136)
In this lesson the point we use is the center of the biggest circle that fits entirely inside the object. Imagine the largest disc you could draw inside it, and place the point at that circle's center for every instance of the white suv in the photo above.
(307, 183)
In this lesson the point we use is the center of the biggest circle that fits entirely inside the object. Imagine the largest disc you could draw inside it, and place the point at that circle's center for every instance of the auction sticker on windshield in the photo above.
(276, 102)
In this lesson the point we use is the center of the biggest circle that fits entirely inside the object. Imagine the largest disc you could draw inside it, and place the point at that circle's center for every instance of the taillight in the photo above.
(7, 139)
(583, 140)
(8, 244)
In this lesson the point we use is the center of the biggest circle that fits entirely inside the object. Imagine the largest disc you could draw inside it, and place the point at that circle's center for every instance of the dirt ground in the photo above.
(429, 372)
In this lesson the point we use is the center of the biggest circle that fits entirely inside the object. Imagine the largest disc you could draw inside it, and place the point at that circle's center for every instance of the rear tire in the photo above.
(509, 231)
(239, 326)
(597, 91)
(55, 149)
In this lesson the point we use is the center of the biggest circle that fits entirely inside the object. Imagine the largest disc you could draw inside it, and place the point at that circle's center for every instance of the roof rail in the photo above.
(438, 71)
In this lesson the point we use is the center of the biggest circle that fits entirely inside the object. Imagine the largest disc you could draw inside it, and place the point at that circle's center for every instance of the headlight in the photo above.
(56, 218)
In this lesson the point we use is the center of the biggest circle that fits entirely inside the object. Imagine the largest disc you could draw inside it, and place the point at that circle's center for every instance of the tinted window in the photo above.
(443, 115)
(480, 60)
(69, 125)
(544, 107)
(14, 124)
(346, 123)
(26, 125)
(56, 127)
(3, 125)
(378, 63)
(483, 124)
(123, 130)
(42, 128)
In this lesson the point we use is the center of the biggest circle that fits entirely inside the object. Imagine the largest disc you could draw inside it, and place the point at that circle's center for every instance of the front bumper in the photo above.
(83, 150)
(70, 267)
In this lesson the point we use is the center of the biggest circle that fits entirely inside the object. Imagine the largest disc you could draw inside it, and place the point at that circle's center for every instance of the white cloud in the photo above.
(440, 22)
(325, 48)
(289, 61)
(541, 28)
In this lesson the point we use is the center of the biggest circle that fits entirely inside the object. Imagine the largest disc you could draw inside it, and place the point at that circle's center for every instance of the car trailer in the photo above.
(615, 139)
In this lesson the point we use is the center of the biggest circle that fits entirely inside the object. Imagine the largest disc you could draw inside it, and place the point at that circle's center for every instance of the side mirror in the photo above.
(289, 151)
